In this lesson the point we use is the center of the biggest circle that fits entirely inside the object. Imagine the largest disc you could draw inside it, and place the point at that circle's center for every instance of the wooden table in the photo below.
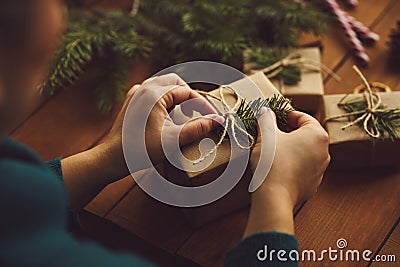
(361, 206)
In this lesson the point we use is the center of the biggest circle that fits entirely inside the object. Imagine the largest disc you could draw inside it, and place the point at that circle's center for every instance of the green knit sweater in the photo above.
(34, 210)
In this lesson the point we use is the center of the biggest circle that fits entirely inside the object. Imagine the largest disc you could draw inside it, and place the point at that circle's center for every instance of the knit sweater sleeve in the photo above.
(73, 221)
(55, 166)
(264, 249)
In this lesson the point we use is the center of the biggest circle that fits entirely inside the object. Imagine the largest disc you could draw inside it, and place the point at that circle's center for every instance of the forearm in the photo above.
(271, 210)
(87, 173)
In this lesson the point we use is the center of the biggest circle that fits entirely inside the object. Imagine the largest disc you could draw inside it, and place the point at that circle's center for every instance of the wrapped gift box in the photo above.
(306, 95)
(353, 148)
(239, 196)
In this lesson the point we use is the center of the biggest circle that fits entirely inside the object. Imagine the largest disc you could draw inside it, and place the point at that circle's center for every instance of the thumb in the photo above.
(199, 128)
(267, 141)
(266, 122)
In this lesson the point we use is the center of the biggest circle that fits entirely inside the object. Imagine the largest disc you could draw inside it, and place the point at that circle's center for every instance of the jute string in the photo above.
(373, 101)
(295, 59)
(230, 121)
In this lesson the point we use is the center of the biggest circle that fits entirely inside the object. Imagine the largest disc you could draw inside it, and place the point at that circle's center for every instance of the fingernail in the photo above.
(264, 110)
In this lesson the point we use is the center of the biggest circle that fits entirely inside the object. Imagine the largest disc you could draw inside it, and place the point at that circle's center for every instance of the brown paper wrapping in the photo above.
(353, 148)
(239, 196)
(306, 95)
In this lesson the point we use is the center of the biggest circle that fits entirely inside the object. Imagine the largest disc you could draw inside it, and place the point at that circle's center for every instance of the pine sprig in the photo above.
(177, 31)
(260, 58)
(108, 37)
(387, 121)
(247, 112)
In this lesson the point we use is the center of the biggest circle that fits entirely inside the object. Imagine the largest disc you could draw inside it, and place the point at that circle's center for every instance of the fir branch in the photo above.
(387, 121)
(261, 57)
(93, 35)
(181, 30)
(247, 112)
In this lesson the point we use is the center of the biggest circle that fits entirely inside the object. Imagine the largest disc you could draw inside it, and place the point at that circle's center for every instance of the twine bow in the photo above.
(296, 59)
(230, 121)
(373, 101)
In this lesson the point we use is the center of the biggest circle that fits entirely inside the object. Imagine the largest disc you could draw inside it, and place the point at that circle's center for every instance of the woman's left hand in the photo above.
(165, 92)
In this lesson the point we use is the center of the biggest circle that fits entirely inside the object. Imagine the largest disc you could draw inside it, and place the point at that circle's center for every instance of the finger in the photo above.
(264, 122)
(267, 132)
(181, 93)
(199, 128)
(132, 91)
(165, 80)
(297, 119)
(178, 92)
(199, 104)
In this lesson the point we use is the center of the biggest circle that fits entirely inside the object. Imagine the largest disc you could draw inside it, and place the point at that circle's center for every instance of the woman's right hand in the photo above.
(301, 158)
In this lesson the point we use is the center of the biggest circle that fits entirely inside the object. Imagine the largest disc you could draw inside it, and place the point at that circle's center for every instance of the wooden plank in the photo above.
(335, 47)
(360, 207)
(209, 244)
(391, 247)
(67, 124)
(378, 70)
(71, 122)
(161, 225)
(109, 196)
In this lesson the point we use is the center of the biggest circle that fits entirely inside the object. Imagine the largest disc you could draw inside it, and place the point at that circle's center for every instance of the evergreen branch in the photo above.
(93, 35)
(262, 57)
(181, 30)
(247, 112)
(387, 121)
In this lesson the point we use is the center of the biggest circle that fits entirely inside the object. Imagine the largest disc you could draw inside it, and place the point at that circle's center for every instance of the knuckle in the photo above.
(323, 137)
(170, 78)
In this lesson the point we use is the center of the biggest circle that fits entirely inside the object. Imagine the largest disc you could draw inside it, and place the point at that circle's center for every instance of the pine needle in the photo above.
(247, 113)
(387, 121)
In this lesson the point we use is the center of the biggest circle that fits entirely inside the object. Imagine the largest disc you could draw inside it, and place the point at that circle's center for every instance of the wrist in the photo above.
(111, 164)
(271, 210)
(275, 193)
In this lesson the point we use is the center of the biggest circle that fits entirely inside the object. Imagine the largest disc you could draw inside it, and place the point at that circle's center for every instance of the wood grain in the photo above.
(67, 124)
(208, 245)
(102, 204)
(360, 207)
(391, 247)
(161, 225)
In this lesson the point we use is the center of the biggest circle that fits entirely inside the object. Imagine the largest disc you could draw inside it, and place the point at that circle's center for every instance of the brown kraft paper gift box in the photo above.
(239, 196)
(306, 95)
(353, 148)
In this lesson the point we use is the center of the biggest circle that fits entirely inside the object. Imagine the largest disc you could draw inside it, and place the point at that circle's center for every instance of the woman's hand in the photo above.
(301, 158)
(87, 173)
(165, 92)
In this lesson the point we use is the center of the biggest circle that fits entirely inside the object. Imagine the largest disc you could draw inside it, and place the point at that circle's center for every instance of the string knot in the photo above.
(367, 116)
(230, 124)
